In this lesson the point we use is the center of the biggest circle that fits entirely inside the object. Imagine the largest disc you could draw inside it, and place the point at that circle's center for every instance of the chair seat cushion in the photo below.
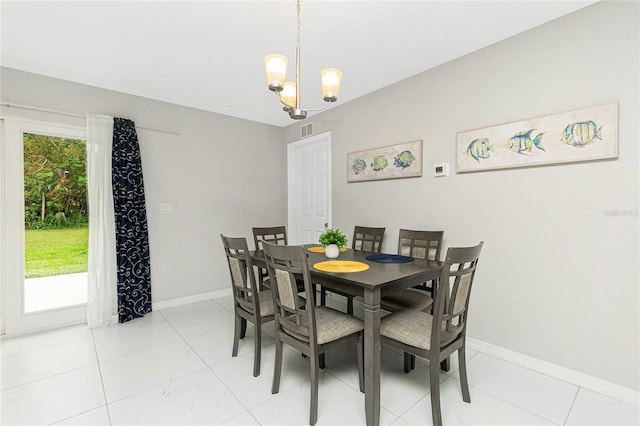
(266, 303)
(411, 327)
(408, 298)
(330, 325)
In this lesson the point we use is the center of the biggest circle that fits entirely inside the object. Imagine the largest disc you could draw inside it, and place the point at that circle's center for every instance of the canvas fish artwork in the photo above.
(581, 134)
(358, 166)
(479, 148)
(396, 161)
(379, 163)
(522, 142)
(404, 159)
(585, 134)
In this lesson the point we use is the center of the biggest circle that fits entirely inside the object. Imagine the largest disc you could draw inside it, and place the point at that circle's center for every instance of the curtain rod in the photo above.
(71, 114)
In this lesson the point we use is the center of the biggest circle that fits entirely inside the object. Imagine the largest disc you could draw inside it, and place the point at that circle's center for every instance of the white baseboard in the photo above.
(562, 373)
(191, 299)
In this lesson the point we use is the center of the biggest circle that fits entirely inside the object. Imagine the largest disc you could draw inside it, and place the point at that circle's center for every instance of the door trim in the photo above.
(291, 179)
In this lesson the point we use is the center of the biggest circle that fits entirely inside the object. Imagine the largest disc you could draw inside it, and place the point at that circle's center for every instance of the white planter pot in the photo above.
(331, 251)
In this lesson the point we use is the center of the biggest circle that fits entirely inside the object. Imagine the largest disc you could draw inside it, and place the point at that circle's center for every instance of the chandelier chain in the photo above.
(298, 32)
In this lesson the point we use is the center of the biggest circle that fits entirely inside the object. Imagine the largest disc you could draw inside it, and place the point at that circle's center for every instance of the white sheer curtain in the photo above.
(102, 304)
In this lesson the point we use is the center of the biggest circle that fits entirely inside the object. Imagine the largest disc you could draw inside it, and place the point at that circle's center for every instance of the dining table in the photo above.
(378, 280)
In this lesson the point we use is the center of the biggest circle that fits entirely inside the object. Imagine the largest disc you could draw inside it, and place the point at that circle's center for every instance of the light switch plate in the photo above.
(166, 208)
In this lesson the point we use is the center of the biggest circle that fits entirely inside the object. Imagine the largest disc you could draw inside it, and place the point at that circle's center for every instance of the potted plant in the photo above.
(332, 240)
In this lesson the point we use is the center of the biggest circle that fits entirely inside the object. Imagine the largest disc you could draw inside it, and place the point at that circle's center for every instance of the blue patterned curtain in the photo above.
(132, 237)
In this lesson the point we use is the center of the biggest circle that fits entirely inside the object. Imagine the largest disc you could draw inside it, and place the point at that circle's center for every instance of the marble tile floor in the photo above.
(174, 367)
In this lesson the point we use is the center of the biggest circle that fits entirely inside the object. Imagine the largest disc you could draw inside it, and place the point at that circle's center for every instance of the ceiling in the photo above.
(210, 54)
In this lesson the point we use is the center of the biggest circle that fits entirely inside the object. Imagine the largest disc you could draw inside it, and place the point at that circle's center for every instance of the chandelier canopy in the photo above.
(289, 92)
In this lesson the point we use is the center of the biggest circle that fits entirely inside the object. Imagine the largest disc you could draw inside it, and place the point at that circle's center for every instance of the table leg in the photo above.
(372, 356)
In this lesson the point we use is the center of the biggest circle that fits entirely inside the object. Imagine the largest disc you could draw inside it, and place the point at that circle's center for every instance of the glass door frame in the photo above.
(16, 321)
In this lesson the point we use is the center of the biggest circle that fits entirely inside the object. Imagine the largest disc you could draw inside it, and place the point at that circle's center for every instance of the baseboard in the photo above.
(191, 299)
(562, 373)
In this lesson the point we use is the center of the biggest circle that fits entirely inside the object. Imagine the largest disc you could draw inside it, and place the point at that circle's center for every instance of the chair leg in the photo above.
(243, 328)
(313, 409)
(409, 362)
(257, 347)
(462, 366)
(322, 362)
(445, 364)
(323, 296)
(434, 383)
(277, 367)
(360, 352)
(236, 335)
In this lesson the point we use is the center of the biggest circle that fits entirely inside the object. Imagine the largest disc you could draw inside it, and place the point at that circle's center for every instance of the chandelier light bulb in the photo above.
(330, 84)
(276, 66)
(288, 96)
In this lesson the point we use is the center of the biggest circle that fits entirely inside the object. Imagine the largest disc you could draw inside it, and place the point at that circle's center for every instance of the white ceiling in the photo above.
(210, 54)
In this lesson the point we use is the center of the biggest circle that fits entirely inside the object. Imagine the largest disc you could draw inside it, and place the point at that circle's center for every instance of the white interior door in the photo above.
(309, 188)
(19, 319)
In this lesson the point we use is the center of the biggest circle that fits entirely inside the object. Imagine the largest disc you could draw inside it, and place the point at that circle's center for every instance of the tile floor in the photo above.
(174, 366)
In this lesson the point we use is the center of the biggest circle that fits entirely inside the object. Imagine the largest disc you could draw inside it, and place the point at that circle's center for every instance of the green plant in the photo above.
(60, 219)
(333, 236)
(55, 180)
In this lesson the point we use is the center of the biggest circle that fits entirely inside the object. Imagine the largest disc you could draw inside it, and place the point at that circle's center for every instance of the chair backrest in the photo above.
(293, 316)
(452, 300)
(367, 239)
(420, 244)
(243, 280)
(272, 234)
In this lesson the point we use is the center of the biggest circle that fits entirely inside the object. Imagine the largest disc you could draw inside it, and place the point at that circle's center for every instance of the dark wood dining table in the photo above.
(377, 281)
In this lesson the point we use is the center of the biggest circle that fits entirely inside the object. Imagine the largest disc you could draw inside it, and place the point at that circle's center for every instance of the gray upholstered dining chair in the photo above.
(248, 303)
(435, 337)
(270, 234)
(312, 330)
(425, 245)
(367, 240)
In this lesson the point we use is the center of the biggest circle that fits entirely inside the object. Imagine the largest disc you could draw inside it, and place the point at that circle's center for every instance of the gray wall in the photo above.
(222, 175)
(558, 277)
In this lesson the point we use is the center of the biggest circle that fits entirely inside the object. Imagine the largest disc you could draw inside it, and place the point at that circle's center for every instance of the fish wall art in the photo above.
(387, 162)
(580, 135)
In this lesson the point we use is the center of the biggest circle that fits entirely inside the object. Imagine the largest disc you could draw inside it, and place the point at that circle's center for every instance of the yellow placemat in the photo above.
(320, 249)
(341, 266)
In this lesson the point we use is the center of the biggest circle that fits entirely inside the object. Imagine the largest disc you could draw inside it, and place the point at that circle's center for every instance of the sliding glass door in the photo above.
(44, 226)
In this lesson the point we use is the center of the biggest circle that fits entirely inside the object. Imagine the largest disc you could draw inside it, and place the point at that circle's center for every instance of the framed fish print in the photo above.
(388, 162)
(581, 135)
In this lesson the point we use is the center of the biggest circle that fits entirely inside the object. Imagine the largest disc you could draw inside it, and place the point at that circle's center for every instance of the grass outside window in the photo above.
(51, 252)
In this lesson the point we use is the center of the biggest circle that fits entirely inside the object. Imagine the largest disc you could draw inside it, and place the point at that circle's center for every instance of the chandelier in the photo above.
(288, 92)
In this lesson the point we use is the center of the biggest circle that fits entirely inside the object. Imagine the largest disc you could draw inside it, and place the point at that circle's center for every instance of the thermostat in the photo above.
(441, 169)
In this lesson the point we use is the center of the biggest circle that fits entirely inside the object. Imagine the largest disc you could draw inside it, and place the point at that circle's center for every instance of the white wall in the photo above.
(558, 277)
(222, 175)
